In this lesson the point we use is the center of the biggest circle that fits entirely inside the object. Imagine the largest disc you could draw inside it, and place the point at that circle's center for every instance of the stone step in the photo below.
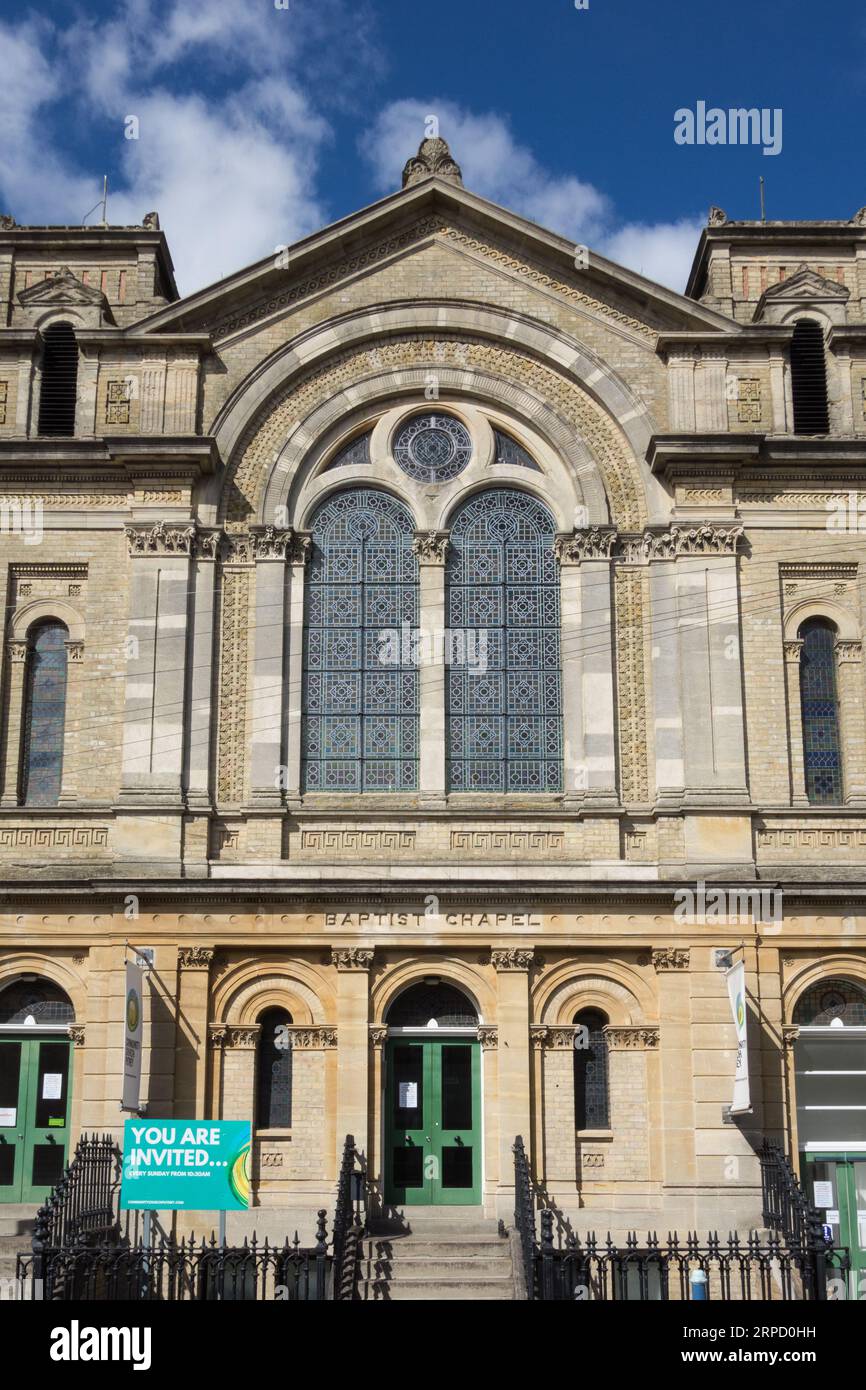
(412, 1267)
(16, 1220)
(434, 1228)
(446, 1246)
(433, 1290)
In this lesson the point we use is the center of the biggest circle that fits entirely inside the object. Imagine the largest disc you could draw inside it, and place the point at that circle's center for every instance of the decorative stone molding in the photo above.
(234, 1036)
(790, 1034)
(195, 957)
(312, 1038)
(431, 547)
(848, 651)
(16, 651)
(793, 650)
(591, 543)
(512, 957)
(278, 543)
(558, 1039)
(234, 676)
(749, 401)
(489, 841)
(351, 957)
(488, 1036)
(237, 550)
(75, 652)
(671, 958)
(160, 539)
(353, 841)
(53, 837)
(592, 1160)
(538, 1035)
(814, 837)
(271, 1158)
(75, 1032)
(633, 1038)
(630, 603)
(677, 540)
(717, 218)
(378, 1036)
(208, 544)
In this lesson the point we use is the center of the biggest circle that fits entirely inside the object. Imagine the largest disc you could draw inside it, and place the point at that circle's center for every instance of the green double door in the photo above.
(836, 1185)
(433, 1122)
(34, 1116)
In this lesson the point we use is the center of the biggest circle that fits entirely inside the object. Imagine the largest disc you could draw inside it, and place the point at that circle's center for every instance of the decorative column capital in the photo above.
(632, 1038)
(671, 958)
(538, 1035)
(557, 1038)
(195, 957)
(431, 547)
(75, 651)
(512, 957)
(847, 651)
(76, 1034)
(352, 957)
(16, 650)
(378, 1036)
(585, 543)
(790, 1034)
(793, 650)
(280, 543)
(317, 1037)
(488, 1036)
(159, 539)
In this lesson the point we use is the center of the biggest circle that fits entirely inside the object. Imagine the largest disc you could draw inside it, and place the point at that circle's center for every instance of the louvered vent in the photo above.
(59, 381)
(809, 379)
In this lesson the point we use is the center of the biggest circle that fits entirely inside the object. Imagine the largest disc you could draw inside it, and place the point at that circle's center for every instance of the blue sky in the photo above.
(258, 124)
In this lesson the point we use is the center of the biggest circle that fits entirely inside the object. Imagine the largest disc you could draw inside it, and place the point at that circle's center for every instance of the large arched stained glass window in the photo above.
(504, 700)
(360, 684)
(44, 716)
(821, 745)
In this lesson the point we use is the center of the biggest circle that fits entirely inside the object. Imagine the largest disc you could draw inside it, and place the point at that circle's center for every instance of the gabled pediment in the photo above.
(431, 205)
(805, 286)
(62, 288)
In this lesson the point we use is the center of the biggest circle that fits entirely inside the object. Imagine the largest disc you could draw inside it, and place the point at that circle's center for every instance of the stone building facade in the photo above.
(614, 545)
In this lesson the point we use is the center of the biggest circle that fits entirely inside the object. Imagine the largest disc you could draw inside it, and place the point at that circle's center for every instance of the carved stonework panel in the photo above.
(631, 614)
(378, 1037)
(541, 842)
(431, 547)
(235, 1036)
(488, 1036)
(352, 957)
(671, 958)
(195, 957)
(512, 958)
(234, 675)
(312, 1038)
(357, 841)
(631, 1038)
(160, 539)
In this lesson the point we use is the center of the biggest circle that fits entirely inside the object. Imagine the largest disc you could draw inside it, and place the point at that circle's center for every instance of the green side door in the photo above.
(34, 1116)
(842, 1178)
(433, 1122)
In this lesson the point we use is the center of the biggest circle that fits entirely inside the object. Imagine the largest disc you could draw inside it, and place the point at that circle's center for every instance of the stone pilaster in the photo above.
(512, 965)
(16, 669)
(431, 549)
(297, 556)
(852, 719)
(587, 665)
(352, 964)
(190, 1065)
(793, 651)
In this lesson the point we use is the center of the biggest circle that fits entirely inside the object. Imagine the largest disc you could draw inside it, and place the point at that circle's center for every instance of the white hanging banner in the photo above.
(132, 1035)
(736, 978)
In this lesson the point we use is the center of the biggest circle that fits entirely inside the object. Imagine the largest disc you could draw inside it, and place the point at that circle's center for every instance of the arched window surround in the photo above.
(274, 1070)
(26, 620)
(44, 713)
(820, 712)
(591, 1071)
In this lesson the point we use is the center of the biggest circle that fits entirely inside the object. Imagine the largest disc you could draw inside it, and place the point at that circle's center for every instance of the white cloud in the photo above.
(496, 166)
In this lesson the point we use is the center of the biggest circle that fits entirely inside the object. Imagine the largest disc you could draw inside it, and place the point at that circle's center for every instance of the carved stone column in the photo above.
(512, 965)
(849, 674)
(793, 652)
(352, 964)
(190, 1063)
(297, 556)
(16, 667)
(431, 549)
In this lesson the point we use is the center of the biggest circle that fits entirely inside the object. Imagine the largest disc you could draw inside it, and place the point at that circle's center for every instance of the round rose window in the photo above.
(432, 448)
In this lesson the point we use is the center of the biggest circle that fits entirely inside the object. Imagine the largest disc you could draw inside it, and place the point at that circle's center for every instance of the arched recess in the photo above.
(829, 968)
(247, 992)
(618, 992)
(24, 618)
(584, 396)
(46, 967)
(471, 982)
(842, 618)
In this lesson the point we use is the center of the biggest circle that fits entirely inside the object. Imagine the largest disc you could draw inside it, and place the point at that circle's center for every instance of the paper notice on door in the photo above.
(52, 1085)
(408, 1095)
(832, 1218)
(822, 1194)
(8, 1118)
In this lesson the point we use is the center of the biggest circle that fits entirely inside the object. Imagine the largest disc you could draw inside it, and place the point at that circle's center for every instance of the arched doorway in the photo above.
(35, 1067)
(830, 1069)
(433, 1141)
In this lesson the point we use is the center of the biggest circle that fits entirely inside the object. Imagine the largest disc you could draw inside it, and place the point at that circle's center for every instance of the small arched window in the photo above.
(591, 1082)
(27, 1002)
(59, 381)
(822, 756)
(809, 379)
(274, 1071)
(832, 1004)
(44, 715)
(432, 1005)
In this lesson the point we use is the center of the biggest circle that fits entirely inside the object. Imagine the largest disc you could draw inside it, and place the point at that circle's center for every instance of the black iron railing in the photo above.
(350, 1219)
(794, 1262)
(183, 1271)
(82, 1205)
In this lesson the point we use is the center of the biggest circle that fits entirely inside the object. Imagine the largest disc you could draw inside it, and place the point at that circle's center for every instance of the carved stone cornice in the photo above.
(431, 547)
(378, 1036)
(195, 957)
(632, 1038)
(239, 1037)
(512, 957)
(159, 539)
(76, 1034)
(280, 543)
(555, 1038)
(848, 651)
(311, 1038)
(671, 958)
(589, 543)
(207, 544)
(352, 957)
(488, 1036)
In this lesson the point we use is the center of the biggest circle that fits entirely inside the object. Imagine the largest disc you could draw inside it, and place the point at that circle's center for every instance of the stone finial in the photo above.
(7, 221)
(433, 160)
(150, 221)
(859, 218)
(717, 218)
